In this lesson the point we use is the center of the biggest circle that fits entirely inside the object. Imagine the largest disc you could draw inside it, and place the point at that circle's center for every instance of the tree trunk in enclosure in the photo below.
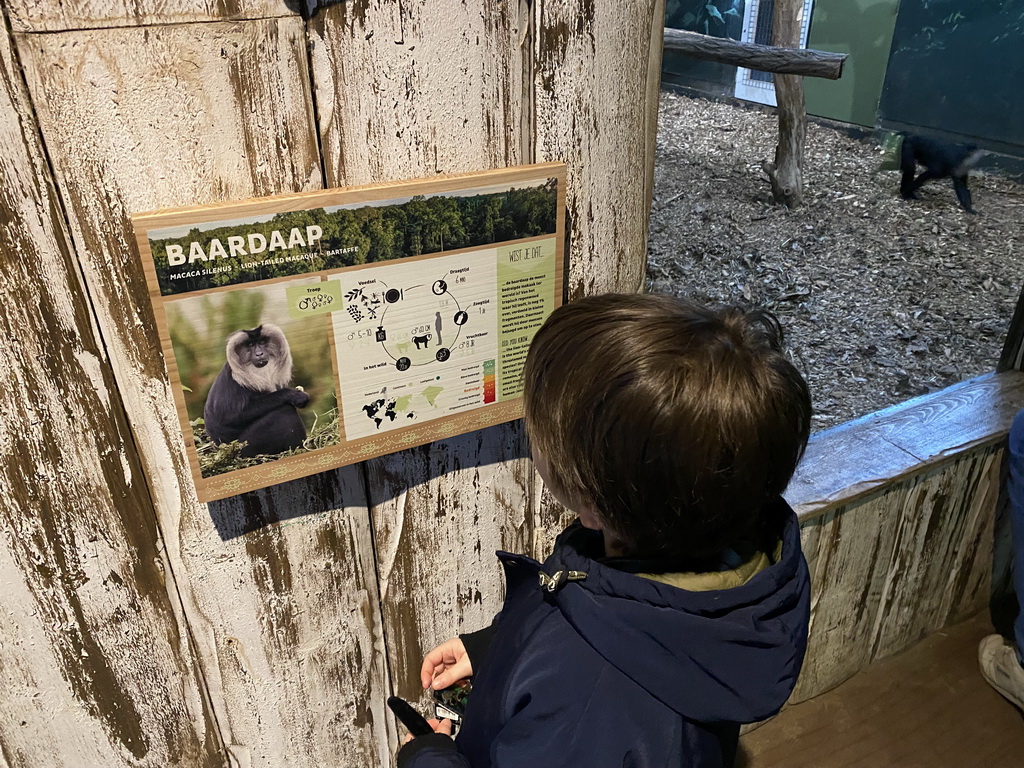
(268, 629)
(786, 173)
(786, 61)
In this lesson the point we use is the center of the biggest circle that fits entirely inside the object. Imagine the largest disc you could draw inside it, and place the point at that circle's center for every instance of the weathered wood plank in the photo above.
(1002, 547)
(898, 514)
(841, 466)
(897, 565)
(285, 616)
(970, 581)
(85, 585)
(941, 565)
(402, 91)
(298, 635)
(49, 16)
(972, 413)
(848, 551)
(852, 460)
(596, 80)
(409, 90)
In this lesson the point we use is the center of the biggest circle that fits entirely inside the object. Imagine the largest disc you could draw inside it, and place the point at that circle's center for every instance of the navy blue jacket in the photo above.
(616, 670)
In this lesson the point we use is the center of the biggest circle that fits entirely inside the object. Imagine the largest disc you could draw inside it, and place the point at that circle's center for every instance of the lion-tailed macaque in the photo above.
(250, 400)
(939, 160)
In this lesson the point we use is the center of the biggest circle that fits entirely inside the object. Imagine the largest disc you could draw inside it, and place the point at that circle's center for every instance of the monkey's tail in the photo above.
(971, 160)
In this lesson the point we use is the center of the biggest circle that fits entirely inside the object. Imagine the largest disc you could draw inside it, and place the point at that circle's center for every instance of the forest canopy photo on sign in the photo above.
(310, 331)
(331, 237)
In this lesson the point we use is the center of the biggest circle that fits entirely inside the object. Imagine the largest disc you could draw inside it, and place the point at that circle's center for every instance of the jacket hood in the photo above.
(722, 655)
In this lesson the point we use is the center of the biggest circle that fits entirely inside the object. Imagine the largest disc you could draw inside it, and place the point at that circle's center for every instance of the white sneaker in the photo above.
(1000, 667)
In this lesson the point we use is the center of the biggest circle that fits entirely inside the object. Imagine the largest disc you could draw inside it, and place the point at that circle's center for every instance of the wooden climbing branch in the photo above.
(766, 58)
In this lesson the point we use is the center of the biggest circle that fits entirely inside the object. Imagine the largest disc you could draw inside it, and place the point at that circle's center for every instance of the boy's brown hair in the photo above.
(677, 421)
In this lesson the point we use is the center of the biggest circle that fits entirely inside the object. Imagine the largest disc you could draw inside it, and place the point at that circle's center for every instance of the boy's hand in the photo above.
(445, 665)
(439, 726)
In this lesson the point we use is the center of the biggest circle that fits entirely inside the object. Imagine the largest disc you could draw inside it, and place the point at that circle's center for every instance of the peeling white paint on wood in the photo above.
(405, 91)
(298, 638)
(890, 568)
(596, 81)
(136, 119)
(82, 588)
(942, 556)
(408, 90)
(50, 16)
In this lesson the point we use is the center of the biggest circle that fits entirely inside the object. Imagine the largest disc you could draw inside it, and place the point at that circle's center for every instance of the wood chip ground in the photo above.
(881, 299)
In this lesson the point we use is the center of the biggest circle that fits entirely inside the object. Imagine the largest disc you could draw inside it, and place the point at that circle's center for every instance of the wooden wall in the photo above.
(902, 524)
(142, 627)
(892, 568)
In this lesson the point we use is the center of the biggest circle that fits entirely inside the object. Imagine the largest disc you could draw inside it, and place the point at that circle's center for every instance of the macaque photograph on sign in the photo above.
(258, 385)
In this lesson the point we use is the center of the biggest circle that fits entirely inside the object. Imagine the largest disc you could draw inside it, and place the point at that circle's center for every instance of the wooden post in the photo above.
(789, 63)
(97, 667)
(422, 500)
(278, 588)
(786, 173)
(266, 630)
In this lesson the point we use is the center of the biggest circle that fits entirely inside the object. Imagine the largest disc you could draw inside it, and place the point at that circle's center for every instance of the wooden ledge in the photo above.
(844, 463)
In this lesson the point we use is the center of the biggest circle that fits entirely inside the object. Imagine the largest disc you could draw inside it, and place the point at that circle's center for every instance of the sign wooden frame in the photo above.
(407, 306)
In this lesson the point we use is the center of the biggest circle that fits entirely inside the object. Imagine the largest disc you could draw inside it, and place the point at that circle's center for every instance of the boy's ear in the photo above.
(588, 514)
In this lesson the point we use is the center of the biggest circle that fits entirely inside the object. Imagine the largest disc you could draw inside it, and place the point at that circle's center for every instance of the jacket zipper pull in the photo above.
(559, 579)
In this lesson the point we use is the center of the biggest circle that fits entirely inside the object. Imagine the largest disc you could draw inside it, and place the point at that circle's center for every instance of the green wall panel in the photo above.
(956, 71)
(863, 29)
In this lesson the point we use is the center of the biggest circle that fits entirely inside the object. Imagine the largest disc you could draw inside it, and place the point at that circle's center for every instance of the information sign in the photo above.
(305, 332)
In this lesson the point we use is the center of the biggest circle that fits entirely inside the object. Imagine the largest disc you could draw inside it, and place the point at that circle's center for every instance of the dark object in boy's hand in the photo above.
(410, 718)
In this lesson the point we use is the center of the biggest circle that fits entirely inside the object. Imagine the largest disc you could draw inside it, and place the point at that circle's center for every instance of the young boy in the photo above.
(676, 606)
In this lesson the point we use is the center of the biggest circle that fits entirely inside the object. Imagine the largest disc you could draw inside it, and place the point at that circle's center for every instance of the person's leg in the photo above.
(1002, 664)
(1015, 489)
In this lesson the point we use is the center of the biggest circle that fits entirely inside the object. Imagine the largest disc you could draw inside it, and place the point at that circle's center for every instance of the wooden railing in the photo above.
(900, 519)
